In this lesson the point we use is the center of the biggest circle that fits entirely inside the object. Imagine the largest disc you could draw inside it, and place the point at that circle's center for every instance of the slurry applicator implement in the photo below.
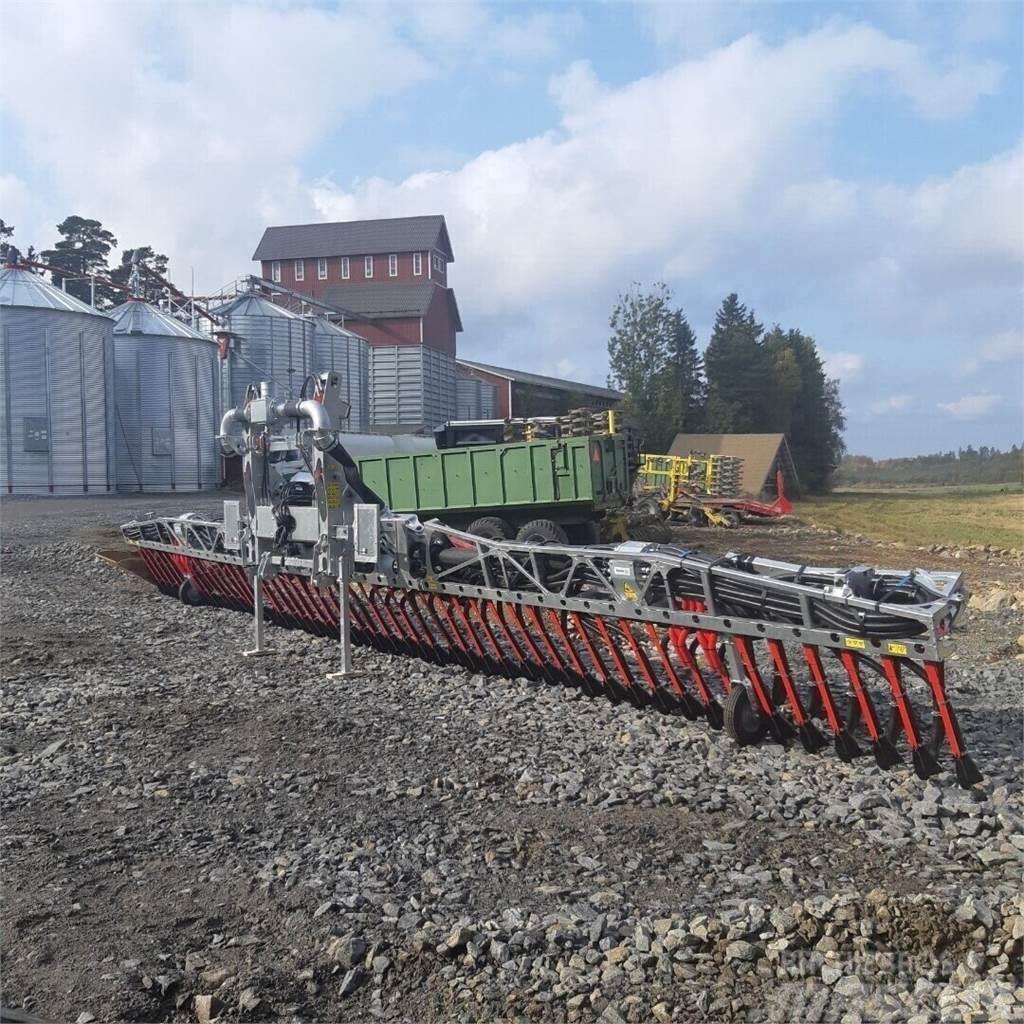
(763, 648)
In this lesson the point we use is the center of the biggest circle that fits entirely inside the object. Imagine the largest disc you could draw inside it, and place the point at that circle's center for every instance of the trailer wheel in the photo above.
(732, 517)
(491, 528)
(743, 724)
(541, 531)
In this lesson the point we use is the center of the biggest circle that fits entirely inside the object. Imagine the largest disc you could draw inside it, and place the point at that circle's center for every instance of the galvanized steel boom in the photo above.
(761, 647)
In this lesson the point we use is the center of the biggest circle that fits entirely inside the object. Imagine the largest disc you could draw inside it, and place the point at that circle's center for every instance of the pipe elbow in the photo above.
(230, 443)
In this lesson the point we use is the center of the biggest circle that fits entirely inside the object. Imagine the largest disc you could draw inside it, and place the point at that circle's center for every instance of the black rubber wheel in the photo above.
(732, 517)
(742, 723)
(541, 531)
(649, 507)
(697, 517)
(491, 528)
(188, 594)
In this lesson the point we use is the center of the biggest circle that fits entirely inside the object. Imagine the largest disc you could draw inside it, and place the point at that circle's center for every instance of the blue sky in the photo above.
(855, 170)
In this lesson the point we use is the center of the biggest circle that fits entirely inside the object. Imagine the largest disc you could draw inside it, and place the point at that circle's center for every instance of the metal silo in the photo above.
(56, 390)
(268, 343)
(167, 409)
(348, 354)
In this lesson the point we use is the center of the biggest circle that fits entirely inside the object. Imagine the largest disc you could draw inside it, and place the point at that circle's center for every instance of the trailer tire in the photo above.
(732, 517)
(541, 531)
(743, 725)
(491, 528)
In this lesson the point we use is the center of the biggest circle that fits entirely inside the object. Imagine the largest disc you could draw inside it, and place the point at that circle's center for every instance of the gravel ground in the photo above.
(189, 834)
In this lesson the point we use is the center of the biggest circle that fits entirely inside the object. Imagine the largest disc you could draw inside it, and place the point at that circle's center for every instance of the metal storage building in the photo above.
(477, 400)
(167, 406)
(56, 390)
(412, 387)
(267, 343)
(348, 354)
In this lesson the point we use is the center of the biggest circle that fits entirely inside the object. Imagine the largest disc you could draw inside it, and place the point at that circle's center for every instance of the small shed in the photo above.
(762, 455)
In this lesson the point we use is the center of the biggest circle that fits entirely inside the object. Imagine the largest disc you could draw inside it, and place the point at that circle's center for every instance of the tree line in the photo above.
(81, 253)
(748, 380)
(968, 465)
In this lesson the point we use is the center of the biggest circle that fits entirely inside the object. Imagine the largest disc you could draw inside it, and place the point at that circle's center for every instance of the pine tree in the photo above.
(82, 251)
(738, 370)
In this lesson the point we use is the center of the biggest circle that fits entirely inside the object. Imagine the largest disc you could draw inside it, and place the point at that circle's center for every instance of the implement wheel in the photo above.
(742, 723)
(541, 531)
(491, 528)
(188, 594)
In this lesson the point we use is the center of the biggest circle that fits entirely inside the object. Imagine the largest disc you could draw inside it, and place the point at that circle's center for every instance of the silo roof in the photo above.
(20, 287)
(325, 326)
(139, 317)
(254, 305)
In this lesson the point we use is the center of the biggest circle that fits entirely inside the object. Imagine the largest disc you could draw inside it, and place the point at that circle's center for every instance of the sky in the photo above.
(852, 170)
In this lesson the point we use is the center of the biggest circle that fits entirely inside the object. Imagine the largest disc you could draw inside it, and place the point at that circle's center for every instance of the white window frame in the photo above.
(417, 264)
(367, 267)
(344, 268)
(438, 262)
(393, 265)
(321, 268)
(275, 271)
(300, 270)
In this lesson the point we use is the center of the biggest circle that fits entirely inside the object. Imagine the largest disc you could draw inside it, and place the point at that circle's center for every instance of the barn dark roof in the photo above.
(389, 299)
(522, 377)
(355, 238)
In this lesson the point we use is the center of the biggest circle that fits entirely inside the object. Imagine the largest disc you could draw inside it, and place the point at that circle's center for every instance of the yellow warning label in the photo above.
(431, 582)
(855, 643)
(628, 592)
(896, 648)
(333, 494)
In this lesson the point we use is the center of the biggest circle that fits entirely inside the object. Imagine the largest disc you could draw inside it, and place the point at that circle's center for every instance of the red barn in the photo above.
(389, 281)
(390, 276)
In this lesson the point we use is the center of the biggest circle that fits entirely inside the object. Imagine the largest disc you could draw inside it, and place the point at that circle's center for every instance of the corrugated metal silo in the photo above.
(268, 343)
(56, 390)
(348, 354)
(167, 408)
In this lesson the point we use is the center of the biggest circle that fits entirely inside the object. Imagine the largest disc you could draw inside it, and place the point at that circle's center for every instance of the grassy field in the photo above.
(978, 514)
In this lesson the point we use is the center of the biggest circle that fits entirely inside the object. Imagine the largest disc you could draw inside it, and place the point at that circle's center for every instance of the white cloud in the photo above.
(845, 366)
(970, 407)
(894, 403)
(1001, 347)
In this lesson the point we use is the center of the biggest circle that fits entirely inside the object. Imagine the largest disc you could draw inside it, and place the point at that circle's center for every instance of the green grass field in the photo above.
(976, 514)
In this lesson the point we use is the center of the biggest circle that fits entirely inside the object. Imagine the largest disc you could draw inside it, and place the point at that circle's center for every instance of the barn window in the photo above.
(438, 262)
(275, 272)
(367, 266)
(417, 263)
(344, 268)
(392, 265)
(321, 269)
(300, 270)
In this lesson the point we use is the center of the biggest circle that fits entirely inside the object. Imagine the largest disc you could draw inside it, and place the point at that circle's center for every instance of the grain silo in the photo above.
(347, 354)
(167, 412)
(56, 390)
(267, 343)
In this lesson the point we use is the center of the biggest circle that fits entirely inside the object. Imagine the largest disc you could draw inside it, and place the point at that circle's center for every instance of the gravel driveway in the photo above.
(188, 834)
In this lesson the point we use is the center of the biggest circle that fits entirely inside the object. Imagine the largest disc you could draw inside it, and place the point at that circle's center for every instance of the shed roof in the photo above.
(20, 287)
(355, 238)
(761, 455)
(390, 299)
(522, 377)
(139, 317)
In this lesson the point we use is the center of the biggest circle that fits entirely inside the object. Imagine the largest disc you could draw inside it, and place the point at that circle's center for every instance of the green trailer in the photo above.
(546, 490)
